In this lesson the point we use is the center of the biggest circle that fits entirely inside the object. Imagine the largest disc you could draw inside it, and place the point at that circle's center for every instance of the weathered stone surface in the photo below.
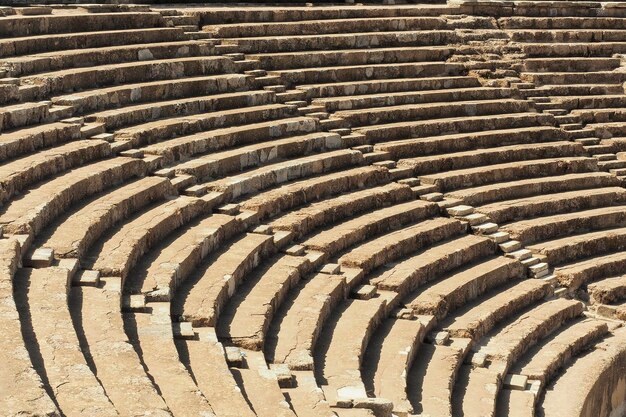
(325, 195)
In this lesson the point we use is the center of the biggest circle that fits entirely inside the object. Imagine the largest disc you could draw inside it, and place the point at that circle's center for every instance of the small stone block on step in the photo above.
(87, 278)
(132, 153)
(439, 338)
(520, 254)
(364, 292)
(230, 209)
(534, 386)
(385, 164)
(461, 210)
(364, 148)
(165, 172)
(315, 258)
(234, 356)
(109, 137)
(511, 246)
(499, 237)
(432, 197)
(537, 268)
(552, 279)
(485, 228)
(295, 250)
(183, 330)
(479, 360)
(263, 229)
(442, 338)
(475, 219)
(404, 314)
(74, 121)
(195, 190)
(530, 261)
(40, 258)
(135, 302)
(283, 375)
(70, 264)
(411, 182)
(330, 269)
(515, 382)
(282, 237)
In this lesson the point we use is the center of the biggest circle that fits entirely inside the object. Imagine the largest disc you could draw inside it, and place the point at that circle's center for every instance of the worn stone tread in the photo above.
(21, 387)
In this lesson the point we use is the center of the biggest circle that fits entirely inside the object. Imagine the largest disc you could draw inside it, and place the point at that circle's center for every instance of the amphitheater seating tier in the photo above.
(337, 210)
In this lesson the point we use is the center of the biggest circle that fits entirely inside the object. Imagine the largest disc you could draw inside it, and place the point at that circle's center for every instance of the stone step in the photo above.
(225, 398)
(331, 25)
(106, 75)
(389, 247)
(417, 97)
(42, 44)
(597, 362)
(284, 43)
(202, 298)
(454, 290)
(129, 94)
(47, 61)
(389, 357)
(505, 347)
(145, 113)
(160, 130)
(311, 304)
(369, 71)
(492, 193)
(273, 175)
(43, 294)
(391, 114)
(42, 204)
(481, 157)
(154, 338)
(121, 250)
(390, 85)
(344, 57)
(559, 225)
(449, 143)
(158, 277)
(464, 178)
(340, 350)
(480, 317)
(333, 182)
(18, 363)
(119, 370)
(369, 225)
(428, 263)
(221, 164)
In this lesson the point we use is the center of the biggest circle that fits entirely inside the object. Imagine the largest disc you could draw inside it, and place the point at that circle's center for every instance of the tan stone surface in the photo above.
(325, 195)
(42, 293)
(22, 391)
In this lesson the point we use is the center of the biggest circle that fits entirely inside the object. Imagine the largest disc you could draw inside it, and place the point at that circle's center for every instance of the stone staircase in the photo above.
(339, 210)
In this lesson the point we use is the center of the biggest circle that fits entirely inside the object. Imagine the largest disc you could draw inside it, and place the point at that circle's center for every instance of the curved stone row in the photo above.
(312, 211)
